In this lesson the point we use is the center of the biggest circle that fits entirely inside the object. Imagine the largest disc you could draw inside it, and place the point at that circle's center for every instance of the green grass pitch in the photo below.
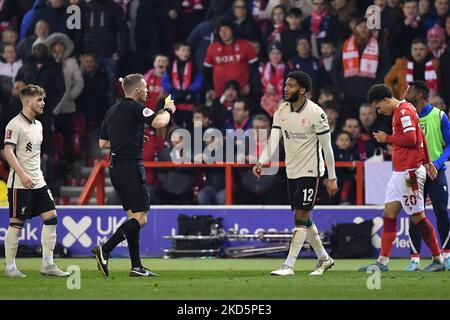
(224, 279)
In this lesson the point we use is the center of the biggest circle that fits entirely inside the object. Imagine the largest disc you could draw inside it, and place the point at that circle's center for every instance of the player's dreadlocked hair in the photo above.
(302, 78)
(378, 92)
(31, 90)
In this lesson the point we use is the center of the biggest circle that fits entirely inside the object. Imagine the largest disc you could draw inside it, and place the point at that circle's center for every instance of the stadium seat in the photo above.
(78, 133)
(58, 143)
(76, 142)
(79, 124)
(58, 150)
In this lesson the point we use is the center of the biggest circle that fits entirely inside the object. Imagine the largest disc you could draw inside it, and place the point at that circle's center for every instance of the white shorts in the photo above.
(399, 189)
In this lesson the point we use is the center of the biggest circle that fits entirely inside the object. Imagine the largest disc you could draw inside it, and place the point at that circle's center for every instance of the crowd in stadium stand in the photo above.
(224, 63)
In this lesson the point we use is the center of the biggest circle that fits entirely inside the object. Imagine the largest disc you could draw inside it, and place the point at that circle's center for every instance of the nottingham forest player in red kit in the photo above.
(411, 165)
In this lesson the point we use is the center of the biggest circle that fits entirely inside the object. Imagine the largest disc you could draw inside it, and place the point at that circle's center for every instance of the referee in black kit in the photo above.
(122, 132)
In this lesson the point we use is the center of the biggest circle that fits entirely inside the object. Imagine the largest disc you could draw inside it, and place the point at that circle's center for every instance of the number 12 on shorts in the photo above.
(307, 195)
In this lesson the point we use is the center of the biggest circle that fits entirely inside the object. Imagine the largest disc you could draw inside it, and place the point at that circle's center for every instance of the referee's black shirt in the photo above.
(124, 126)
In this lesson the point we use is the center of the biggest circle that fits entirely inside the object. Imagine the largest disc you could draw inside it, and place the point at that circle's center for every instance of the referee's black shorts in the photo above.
(129, 181)
(303, 192)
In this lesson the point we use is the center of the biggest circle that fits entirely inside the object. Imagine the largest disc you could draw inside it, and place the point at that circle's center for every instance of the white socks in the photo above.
(383, 260)
(312, 237)
(445, 255)
(11, 245)
(438, 259)
(296, 245)
(48, 240)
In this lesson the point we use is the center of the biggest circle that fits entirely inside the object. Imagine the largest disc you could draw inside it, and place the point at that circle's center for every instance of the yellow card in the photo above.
(167, 100)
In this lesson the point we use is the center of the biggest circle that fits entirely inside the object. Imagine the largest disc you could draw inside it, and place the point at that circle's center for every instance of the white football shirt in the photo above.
(300, 130)
(26, 136)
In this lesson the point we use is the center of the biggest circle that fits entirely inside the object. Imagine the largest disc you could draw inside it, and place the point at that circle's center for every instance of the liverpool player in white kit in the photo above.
(28, 194)
(411, 164)
(305, 131)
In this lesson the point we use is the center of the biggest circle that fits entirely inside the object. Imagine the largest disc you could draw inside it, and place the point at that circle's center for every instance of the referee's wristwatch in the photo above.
(169, 111)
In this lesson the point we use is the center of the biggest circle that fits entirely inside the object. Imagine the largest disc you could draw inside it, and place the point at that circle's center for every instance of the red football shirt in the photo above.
(230, 62)
(405, 120)
(155, 89)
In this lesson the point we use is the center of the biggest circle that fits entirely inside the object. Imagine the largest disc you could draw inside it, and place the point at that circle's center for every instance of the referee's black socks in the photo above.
(133, 248)
(126, 230)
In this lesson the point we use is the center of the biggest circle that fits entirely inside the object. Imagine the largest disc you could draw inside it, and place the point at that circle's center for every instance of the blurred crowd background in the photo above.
(224, 62)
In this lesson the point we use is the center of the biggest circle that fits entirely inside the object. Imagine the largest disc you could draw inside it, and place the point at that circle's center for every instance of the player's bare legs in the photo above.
(11, 245)
(305, 229)
(428, 234)
(391, 210)
(48, 241)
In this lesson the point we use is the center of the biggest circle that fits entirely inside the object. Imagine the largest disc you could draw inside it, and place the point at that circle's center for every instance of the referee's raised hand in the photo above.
(171, 106)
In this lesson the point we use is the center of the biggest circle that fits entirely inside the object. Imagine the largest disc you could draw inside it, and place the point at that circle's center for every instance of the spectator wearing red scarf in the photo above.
(418, 65)
(272, 79)
(360, 62)
(183, 82)
(154, 78)
(405, 29)
(321, 25)
(278, 23)
(241, 116)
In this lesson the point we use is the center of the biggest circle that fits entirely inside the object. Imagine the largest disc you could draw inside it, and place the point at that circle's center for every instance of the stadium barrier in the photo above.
(96, 179)
(80, 228)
